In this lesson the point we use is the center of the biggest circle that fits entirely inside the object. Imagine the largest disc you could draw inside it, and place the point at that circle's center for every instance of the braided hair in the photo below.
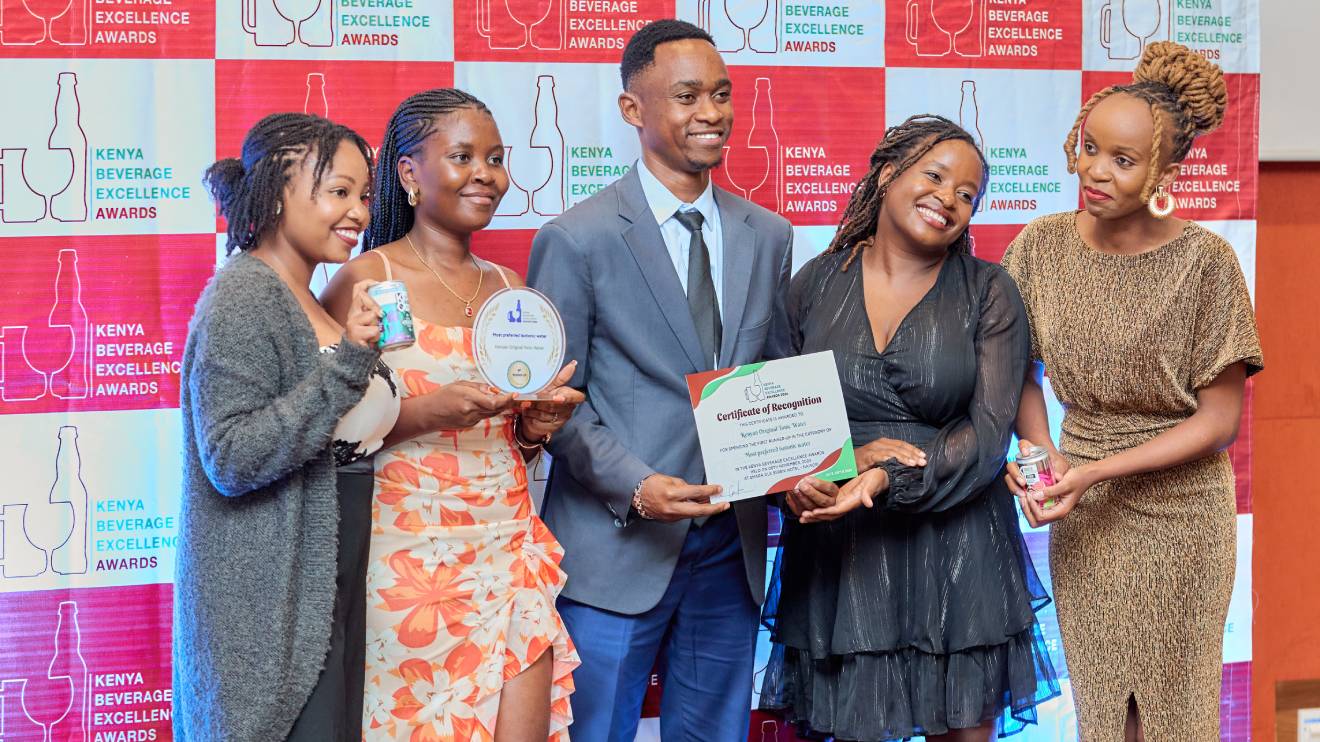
(413, 121)
(1187, 97)
(902, 146)
(248, 189)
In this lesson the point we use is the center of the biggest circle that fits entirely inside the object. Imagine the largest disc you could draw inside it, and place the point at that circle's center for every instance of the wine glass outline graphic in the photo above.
(735, 29)
(76, 12)
(1153, 16)
(299, 12)
(531, 161)
(528, 13)
(1133, 34)
(534, 27)
(745, 16)
(48, 11)
(952, 17)
(48, 172)
(48, 711)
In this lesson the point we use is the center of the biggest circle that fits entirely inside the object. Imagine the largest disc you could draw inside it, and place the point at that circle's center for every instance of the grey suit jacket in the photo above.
(626, 316)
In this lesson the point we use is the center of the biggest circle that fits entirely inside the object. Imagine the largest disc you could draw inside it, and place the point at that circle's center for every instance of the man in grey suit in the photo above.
(657, 276)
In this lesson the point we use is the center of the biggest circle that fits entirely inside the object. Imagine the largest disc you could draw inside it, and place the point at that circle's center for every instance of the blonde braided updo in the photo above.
(1187, 98)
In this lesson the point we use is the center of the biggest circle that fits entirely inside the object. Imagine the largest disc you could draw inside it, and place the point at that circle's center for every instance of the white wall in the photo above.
(1290, 80)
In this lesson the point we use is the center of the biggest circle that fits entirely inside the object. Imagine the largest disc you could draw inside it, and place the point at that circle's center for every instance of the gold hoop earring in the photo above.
(412, 197)
(1159, 212)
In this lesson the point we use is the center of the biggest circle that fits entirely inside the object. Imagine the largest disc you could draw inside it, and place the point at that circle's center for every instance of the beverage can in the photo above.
(396, 326)
(1036, 469)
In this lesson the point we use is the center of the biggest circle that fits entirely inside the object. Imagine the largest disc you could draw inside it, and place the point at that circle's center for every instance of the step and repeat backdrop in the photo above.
(114, 108)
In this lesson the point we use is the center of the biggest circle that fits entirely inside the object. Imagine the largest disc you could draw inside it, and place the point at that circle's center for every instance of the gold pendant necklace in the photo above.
(481, 276)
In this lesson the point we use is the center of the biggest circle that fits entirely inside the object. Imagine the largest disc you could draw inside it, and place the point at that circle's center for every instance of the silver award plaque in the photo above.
(518, 341)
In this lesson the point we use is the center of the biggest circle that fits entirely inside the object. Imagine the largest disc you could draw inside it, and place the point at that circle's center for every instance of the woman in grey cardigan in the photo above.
(261, 585)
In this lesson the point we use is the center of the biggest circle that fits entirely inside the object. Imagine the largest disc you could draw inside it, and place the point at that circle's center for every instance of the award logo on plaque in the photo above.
(518, 341)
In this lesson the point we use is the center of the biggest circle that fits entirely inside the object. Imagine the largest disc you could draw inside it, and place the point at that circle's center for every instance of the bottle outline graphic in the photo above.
(68, 641)
(530, 191)
(22, 694)
(75, 24)
(73, 380)
(731, 37)
(67, 133)
(762, 137)
(23, 377)
(71, 557)
(503, 31)
(971, 40)
(1117, 25)
(36, 174)
(549, 199)
(315, 102)
(969, 112)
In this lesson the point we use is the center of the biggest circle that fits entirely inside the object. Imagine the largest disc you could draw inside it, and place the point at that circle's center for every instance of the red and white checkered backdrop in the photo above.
(113, 108)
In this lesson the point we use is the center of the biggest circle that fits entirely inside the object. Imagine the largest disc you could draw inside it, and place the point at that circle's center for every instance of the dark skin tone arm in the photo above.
(1211, 428)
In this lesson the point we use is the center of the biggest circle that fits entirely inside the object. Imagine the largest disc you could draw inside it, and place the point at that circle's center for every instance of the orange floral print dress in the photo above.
(463, 576)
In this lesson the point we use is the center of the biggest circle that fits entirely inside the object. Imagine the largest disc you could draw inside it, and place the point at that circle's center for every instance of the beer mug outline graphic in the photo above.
(33, 22)
(285, 22)
(1124, 34)
(941, 28)
(48, 179)
(520, 24)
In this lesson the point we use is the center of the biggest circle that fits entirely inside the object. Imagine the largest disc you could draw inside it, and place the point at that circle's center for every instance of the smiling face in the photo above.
(1115, 157)
(459, 172)
(932, 202)
(322, 223)
(682, 107)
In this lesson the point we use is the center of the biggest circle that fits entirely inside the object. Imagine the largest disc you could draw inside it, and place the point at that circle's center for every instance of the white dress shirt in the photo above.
(677, 238)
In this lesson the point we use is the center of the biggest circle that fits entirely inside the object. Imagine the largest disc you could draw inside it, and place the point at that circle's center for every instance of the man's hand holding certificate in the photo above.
(764, 426)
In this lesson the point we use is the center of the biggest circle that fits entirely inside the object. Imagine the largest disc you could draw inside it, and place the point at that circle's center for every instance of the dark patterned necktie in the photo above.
(702, 302)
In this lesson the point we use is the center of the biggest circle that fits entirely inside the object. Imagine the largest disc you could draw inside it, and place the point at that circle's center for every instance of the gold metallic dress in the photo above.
(1143, 566)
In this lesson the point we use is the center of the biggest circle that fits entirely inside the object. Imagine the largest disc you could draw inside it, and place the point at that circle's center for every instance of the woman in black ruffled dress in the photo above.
(914, 613)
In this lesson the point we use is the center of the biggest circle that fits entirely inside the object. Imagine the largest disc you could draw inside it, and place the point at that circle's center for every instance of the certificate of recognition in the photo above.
(518, 341)
(764, 426)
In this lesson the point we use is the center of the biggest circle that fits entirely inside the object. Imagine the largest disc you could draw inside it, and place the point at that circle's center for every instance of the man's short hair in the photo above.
(640, 51)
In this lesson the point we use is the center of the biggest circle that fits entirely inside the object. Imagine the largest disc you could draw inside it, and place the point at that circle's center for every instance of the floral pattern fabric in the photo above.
(463, 577)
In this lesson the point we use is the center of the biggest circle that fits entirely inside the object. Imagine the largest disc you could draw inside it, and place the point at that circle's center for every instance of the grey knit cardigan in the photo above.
(254, 581)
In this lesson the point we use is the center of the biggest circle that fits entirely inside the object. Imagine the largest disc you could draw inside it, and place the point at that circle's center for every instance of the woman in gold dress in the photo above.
(1145, 325)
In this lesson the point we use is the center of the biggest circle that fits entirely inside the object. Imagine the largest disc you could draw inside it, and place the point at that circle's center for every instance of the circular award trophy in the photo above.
(518, 340)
